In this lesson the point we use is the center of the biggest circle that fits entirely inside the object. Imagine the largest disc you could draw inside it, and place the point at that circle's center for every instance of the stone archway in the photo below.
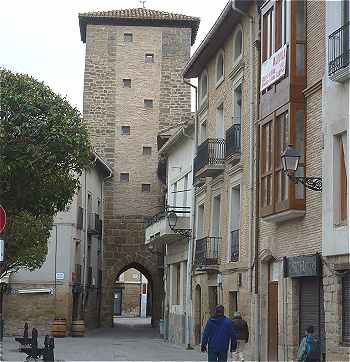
(124, 248)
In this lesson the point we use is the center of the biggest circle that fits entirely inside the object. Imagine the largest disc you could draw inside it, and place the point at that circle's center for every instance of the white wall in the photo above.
(336, 116)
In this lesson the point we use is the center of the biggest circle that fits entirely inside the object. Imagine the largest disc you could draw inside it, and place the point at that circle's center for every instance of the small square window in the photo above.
(148, 103)
(149, 58)
(127, 83)
(124, 177)
(128, 38)
(125, 130)
(146, 187)
(147, 151)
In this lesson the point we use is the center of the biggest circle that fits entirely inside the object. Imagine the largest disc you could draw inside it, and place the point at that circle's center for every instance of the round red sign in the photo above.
(2, 219)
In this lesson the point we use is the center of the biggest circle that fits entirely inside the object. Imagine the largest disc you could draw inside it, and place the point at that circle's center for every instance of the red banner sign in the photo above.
(2, 219)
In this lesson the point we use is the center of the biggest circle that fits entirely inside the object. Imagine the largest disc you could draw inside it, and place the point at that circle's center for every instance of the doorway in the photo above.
(118, 300)
(213, 299)
(272, 348)
(198, 315)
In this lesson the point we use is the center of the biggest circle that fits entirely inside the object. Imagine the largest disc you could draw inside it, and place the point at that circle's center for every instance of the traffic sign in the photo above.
(2, 219)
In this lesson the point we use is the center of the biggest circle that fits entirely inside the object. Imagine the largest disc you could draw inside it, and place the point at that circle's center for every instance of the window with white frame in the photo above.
(215, 225)
(220, 67)
(237, 45)
(200, 222)
(203, 85)
(340, 176)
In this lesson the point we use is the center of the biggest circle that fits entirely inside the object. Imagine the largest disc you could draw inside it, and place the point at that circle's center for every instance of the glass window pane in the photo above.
(300, 20)
(300, 59)
(299, 134)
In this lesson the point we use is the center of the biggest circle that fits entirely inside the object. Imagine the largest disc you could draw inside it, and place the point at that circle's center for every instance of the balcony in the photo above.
(94, 224)
(158, 230)
(207, 253)
(210, 158)
(233, 143)
(339, 54)
(234, 241)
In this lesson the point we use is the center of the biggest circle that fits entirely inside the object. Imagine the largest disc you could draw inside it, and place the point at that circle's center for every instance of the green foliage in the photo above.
(44, 147)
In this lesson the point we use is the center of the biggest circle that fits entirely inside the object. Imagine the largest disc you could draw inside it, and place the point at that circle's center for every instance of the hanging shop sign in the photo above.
(302, 266)
(274, 68)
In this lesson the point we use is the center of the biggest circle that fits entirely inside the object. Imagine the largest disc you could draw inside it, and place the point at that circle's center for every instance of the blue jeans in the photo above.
(217, 356)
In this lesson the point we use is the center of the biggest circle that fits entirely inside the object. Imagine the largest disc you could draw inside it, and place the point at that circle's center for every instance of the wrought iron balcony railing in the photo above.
(234, 245)
(339, 50)
(207, 252)
(233, 140)
(210, 152)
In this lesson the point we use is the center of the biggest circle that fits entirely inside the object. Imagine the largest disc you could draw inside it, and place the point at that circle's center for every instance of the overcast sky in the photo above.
(41, 37)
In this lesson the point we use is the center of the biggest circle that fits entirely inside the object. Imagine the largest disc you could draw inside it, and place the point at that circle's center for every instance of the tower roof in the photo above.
(138, 17)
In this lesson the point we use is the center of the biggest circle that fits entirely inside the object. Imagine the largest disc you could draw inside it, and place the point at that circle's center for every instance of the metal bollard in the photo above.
(48, 352)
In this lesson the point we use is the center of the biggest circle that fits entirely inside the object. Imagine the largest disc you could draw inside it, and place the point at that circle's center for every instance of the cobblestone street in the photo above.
(132, 339)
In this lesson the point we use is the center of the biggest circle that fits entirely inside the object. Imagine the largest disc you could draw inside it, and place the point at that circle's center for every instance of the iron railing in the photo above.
(179, 210)
(234, 245)
(207, 252)
(233, 140)
(210, 152)
(339, 49)
(94, 224)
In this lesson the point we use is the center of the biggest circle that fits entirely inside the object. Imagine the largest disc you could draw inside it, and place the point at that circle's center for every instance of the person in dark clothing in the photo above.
(218, 335)
(242, 333)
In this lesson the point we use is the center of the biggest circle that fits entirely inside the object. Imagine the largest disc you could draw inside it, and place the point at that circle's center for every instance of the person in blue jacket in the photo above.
(218, 333)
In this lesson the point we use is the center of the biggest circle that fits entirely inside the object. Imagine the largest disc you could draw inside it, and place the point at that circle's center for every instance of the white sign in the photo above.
(59, 276)
(2, 250)
(273, 68)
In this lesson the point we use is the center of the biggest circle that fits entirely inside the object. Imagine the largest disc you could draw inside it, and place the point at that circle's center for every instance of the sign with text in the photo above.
(273, 68)
(303, 266)
(59, 276)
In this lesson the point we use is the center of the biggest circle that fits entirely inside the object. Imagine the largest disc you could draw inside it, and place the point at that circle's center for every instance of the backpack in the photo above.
(302, 353)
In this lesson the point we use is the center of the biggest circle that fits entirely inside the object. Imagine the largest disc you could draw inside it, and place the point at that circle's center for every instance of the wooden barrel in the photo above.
(78, 328)
(59, 327)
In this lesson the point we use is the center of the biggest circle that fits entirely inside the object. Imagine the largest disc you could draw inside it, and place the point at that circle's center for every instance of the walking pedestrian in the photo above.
(306, 344)
(219, 335)
(242, 334)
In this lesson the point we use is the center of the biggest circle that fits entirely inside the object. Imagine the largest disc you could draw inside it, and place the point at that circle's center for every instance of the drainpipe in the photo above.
(251, 218)
(188, 318)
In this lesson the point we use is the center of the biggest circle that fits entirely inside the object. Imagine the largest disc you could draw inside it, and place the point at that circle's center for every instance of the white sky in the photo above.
(42, 38)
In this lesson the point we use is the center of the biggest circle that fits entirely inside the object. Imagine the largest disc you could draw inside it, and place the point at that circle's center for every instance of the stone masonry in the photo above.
(108, 106)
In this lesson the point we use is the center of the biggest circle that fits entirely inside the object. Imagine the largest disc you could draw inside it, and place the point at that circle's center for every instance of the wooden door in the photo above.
(273, 321)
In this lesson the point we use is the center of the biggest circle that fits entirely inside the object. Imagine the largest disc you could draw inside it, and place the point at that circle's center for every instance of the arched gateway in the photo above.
(121, 254)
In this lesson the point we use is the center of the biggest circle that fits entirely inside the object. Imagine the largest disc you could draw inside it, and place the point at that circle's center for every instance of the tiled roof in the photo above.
(139, 15)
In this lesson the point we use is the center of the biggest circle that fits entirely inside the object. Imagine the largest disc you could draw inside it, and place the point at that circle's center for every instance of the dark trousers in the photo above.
(217, 356)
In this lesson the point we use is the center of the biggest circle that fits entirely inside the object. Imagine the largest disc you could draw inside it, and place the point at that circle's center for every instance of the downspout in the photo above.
(188, 317)
(251, 219)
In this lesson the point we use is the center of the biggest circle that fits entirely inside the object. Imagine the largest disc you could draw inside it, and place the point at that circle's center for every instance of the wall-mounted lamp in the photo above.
(290, 162)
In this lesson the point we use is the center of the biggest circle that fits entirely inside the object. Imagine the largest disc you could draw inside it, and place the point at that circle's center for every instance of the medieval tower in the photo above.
(133, 89)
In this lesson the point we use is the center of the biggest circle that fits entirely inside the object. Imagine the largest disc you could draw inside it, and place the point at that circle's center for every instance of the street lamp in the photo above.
(172, 219)
(290, 162)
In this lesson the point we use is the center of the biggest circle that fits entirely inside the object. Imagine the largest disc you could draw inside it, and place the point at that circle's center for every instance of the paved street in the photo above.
(132, 339)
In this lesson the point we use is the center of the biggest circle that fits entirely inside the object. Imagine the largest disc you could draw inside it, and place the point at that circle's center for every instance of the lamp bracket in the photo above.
(312, 183)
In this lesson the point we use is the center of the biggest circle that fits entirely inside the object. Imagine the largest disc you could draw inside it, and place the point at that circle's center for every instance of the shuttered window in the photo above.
(346, 309)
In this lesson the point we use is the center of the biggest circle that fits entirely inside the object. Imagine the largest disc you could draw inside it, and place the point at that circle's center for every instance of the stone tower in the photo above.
(133, 89)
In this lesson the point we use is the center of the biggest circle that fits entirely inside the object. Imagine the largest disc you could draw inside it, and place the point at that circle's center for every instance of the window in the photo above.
(268, 35)
(127, 83)
(276, 132)
(146, 151)
(203, 86)
(148, 103)
(220, 127)
(238, 45)
(340, 179)
(124, 177)
(128, 38)
(146, 187)
(220, 67)
(234, 223)
(215, 226)
(346, 308)
(185, 198)
(125, 130)
(203, 131)
(200, 222)
(149, 58)
(174, 190)
(281, 23)
(237, 105)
